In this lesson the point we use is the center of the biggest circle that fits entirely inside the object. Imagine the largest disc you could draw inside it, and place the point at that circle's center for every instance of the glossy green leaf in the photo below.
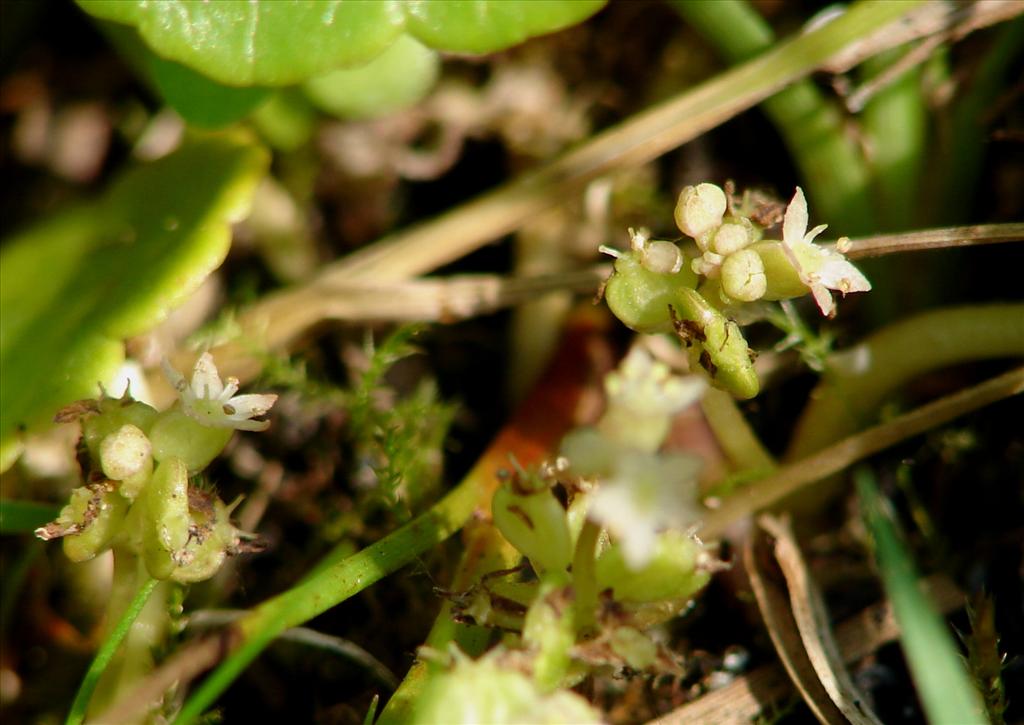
(73, 287)
(396, 78)
(198, 99)
(484, 26)
(269, 42)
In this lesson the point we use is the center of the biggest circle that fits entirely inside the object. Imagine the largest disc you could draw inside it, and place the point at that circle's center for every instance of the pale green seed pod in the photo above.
(208, 548)
(700, 208)
(167, 504)
(98, 513)
(534, 523)
(716, 345)
(640, 298)
(743, 276)
(176, 436)
(670, 574)
(782, 280)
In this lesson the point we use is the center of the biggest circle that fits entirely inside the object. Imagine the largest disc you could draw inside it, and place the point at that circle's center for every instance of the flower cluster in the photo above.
(139, 494)
(698, 292)
(612, 516)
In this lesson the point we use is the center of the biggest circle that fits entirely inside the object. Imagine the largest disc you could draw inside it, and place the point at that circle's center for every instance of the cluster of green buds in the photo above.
(138, 464)
(696, 291)
(607, 531)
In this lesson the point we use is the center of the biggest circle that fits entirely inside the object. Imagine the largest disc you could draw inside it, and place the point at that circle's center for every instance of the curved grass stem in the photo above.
(798, 476)
(106, 652)
(859, 379)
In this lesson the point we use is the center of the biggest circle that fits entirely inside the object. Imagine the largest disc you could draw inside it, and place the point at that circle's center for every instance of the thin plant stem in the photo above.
(734, 434)
(107, 651)
(858, 379)
(584, 576)
(800, 475)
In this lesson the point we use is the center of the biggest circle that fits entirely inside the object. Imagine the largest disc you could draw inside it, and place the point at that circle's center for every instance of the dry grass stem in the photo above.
(789, 479)
(741, 701)
(814, 628)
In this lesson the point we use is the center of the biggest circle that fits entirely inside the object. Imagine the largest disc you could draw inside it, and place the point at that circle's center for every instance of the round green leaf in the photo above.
(484, 26)
(261, 42)
(272, 42)
(72, 288)
(396, 78)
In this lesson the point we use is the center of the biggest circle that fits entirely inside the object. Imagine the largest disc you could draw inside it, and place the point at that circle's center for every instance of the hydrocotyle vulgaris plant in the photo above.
(143, 496)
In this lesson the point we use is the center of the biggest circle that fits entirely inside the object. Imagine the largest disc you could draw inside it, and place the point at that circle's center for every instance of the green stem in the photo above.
(859, 379)
(833, 169)
(107, 651)
(332, 586)
(895, 124)
(741, 445)
(584, 576)
(961, 153)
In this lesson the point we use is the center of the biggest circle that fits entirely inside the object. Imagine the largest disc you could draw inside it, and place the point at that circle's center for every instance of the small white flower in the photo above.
(212, 403)
(646, 386)
(819, 268)
(646, 494)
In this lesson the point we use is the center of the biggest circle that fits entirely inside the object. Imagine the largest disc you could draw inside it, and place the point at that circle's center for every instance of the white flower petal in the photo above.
(838, 274)
(205, 378)
(249, 406)
(794, 223)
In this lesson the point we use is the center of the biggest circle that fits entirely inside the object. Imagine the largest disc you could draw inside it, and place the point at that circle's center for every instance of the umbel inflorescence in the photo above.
(140, 492)
(729, 269)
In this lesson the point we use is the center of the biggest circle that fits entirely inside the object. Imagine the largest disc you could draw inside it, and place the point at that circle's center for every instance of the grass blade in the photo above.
(942, 682)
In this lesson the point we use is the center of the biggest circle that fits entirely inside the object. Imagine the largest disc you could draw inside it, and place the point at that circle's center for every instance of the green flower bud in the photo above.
(484, 691)
(743, 277)
(670, 573)
(732, 236)
(127, 456)
(111, 415)
(640, 298)
(90, 522)
(635, 647)
(700, 208)
(662, 257)
(534, 523)
(176, 435)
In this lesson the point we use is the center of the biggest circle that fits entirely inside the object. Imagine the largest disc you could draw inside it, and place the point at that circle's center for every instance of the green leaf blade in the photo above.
(935, 664)
(485, 26)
